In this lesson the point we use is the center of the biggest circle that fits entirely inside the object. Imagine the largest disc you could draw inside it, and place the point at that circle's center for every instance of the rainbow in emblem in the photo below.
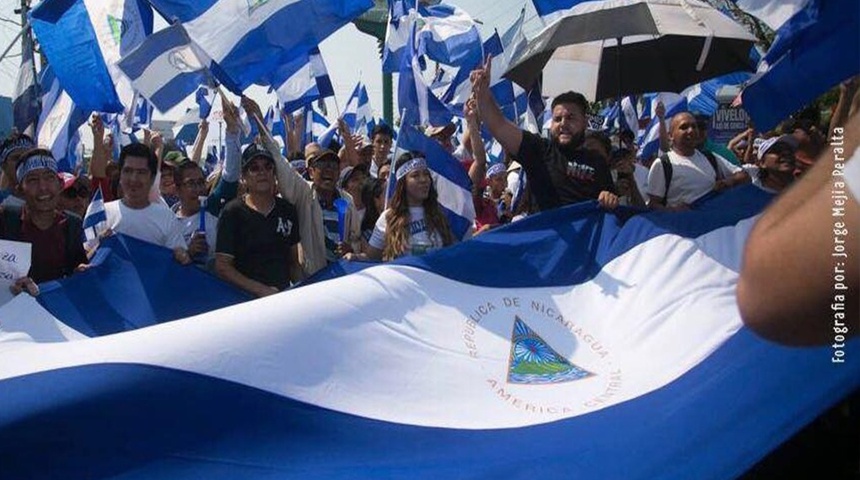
(533, 361)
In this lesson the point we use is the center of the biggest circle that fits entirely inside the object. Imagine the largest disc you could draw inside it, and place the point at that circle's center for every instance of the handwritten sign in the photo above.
(15, 259)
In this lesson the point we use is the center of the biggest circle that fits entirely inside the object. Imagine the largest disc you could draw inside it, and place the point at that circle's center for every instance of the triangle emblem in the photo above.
(533, 362)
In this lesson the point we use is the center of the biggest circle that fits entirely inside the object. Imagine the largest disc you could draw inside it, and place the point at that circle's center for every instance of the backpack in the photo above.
(72, 231)
(667, 171)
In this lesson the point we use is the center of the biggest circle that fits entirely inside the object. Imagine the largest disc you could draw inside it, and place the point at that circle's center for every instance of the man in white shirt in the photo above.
(690, 174)
(134, 215)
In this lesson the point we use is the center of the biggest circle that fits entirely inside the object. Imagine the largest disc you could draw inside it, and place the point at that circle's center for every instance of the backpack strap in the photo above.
(667, 175)
(712, 159)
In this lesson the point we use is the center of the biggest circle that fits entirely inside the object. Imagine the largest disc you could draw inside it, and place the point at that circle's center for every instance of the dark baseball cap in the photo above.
(253, 151)
(315, 157)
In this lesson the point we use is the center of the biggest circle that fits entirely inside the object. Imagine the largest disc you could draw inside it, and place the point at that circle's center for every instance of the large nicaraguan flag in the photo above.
(572, 344)
(248, 39)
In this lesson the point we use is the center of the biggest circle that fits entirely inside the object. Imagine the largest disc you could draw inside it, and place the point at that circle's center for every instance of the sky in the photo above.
(349, 54)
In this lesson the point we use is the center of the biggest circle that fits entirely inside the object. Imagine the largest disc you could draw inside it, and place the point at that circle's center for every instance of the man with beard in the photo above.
(559, 170)
(55, 236)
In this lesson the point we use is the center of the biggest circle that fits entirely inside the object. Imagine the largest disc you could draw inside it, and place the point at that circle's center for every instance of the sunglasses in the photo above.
(325, 165)
(257, 168)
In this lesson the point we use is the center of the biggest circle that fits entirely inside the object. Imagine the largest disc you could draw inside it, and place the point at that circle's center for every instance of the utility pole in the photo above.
(374, 23)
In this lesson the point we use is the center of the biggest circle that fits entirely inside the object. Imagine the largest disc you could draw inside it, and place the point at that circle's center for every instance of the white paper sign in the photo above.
(15, 259)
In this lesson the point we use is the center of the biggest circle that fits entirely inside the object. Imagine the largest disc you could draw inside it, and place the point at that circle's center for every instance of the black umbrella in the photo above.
(666, 45)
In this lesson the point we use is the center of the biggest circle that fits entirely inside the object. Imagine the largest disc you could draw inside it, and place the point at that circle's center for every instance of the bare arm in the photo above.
(478, 169)
(370, 254)
(349, 154)
(197, 150)
(847, 89)
(98, 164)
(509, 135)
(786, 286)
(296, 272)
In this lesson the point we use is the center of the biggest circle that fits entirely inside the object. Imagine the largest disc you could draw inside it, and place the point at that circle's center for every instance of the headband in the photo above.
(20, 143)
(496, 169)
(417, 163)
(35, 162)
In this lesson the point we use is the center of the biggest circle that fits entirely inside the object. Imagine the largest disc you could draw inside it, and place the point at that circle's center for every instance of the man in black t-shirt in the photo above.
(258, 233)
(559, 170)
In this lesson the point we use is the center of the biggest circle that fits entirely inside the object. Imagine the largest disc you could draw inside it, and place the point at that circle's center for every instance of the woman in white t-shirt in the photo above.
(414, 222)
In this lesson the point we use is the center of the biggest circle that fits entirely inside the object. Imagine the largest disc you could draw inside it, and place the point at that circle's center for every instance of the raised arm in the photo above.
(296, 190)
(478, 169)
(847, 91)
(197, 150)
(502, 129)
(98, 164)
(228, 183)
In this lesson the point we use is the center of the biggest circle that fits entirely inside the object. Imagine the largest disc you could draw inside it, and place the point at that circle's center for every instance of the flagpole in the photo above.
(391, 172)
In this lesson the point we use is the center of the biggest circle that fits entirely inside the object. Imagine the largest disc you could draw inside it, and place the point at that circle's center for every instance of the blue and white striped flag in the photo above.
(815, 48)
(502, 48)
(59, 121)
(446, 33)
(449, 35)
(649, 142)
(211, 163)
(205, 98)
(301, 81)
(413, 94)
(94, 222)
(249, 39)
(551, 10)
(317, 128)
(25, 98)
(451, 180)
(572, 344)
(142, 113)
(702, 97)
(85, 39)
(167, 67)
(629, 118)
(396, 35)
(357, 113)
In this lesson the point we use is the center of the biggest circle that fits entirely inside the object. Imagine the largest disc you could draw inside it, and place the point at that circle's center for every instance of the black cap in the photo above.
(320, 154)
(253, 151)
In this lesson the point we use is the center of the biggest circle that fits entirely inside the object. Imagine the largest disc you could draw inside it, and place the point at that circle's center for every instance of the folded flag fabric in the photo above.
(247, 39)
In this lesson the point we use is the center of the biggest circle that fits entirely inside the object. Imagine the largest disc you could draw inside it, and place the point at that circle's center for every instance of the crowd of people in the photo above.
(264, 221)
